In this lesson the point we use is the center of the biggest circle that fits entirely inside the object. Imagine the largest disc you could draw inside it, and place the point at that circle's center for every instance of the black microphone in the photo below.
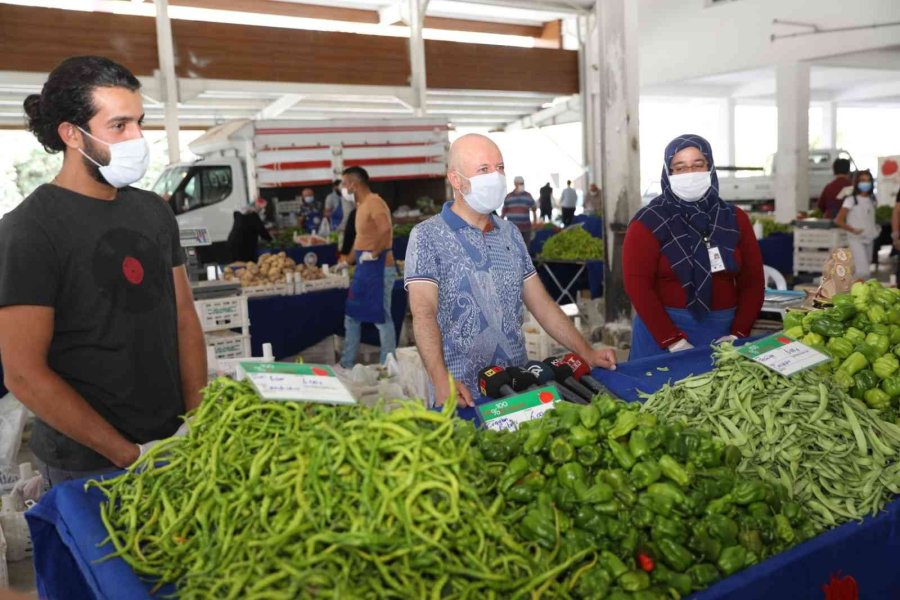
(546, 376)
(493, 382)
(521, 380)
(563, 373)
(581, 371)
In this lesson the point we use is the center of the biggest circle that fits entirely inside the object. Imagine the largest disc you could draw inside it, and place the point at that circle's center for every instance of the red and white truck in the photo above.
(243, 160)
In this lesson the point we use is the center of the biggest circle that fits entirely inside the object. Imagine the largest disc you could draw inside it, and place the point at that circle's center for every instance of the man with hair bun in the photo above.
(98, 332)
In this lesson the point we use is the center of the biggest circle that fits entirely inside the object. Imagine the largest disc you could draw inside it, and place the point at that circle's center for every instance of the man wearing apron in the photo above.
(369, 299)
(469, 279)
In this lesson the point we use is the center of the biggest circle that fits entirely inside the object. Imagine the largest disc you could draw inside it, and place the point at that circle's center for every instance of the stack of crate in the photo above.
(226, 325)
(538, 343)
(812, 247)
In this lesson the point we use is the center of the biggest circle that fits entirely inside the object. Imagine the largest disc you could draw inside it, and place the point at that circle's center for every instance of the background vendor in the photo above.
(693, 268)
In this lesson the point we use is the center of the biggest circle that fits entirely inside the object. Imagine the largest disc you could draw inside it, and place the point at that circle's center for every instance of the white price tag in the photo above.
(783, 355)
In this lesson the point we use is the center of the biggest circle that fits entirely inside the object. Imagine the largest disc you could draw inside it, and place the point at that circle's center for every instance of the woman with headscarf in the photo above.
(857, 218)
(693, 268)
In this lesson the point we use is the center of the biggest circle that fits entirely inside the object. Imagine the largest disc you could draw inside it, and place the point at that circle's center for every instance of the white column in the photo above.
(169, 83)
(619, 141)
(792, 159)
(829, 125)
(582, 29)
(727, 154)
(417, 78)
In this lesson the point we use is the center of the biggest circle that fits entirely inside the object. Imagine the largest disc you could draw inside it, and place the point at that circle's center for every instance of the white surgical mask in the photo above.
(488, 191)
(128, 161)
(346, 195)
(690, 187)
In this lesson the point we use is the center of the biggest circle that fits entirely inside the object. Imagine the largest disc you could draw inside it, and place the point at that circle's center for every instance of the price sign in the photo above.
(782, 354)
(510, 412)
(297, 383)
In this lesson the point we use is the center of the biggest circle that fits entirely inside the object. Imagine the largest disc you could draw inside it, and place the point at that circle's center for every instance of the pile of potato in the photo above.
(270, 268)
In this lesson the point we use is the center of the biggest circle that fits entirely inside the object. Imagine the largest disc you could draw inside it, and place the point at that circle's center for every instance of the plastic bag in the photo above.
(12, 423)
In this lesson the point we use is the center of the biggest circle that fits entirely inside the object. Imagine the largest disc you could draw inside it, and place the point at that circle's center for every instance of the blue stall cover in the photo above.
(66, 529)
(778, 252)
(590, 279)
(401, 242)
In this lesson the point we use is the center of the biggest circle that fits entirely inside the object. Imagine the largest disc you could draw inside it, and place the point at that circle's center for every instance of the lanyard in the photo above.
(704, 236)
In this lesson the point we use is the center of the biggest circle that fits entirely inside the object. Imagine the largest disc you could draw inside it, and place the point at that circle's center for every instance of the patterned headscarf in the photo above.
(679, 228)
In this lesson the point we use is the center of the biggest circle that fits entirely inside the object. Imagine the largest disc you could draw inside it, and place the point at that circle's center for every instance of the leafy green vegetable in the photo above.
(573, 243)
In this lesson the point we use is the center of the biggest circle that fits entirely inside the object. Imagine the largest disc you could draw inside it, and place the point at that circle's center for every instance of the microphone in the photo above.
(581, 371)
(493, 382)
(546, 376)
(521, 380)
(563, 373)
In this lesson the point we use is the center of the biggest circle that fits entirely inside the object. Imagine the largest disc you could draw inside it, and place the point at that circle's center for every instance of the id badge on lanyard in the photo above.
(716, 264)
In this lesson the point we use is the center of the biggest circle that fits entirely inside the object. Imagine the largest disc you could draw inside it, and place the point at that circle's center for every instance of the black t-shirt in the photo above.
(244, 237)
(106, 269)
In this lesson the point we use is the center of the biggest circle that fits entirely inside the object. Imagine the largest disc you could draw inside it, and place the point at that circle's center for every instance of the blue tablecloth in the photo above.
(591, 223)
(293, 323)
(66, 529)
(778, 252)
(591, 279)
(326, 253)
(399, 246)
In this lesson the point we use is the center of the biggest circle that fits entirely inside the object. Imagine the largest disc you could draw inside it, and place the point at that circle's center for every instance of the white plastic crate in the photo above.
(229, 344)
(329, 282)
(810, 261)
(538, 343)
(269, 289)
(217, 314)
(826, 239)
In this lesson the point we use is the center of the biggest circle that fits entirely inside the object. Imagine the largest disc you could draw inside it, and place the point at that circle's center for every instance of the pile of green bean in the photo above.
(831, 452)
(288, 500)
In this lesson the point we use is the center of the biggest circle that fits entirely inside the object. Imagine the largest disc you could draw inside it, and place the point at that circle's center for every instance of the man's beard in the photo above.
(94, 151)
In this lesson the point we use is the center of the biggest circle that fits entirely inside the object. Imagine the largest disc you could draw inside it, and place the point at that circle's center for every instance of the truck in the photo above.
(242, 160)
(755, 186)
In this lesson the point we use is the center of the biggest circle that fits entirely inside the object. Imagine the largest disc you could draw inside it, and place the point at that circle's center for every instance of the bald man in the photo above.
(468, 273)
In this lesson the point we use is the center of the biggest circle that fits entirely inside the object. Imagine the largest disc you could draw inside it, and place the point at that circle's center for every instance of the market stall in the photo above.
(778, 252)
(294, 323)
(326, 254)
(67, 530)
(572, 260)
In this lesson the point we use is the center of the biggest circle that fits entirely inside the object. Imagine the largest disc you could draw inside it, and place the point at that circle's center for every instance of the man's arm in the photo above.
(191, 344)
(423, 304)
(557, 324)
(25, 336)
(382, 223)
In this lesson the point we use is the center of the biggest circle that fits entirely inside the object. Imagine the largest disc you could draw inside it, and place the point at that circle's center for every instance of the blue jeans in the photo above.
(386, 332)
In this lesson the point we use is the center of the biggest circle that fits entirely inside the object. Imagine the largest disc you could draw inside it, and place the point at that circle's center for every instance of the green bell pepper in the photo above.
(527, 488)
(856, 336)
(721, 505)
(863, 381)
(810, 318)
(574, 541)
(607, 405)
(891, 386)
(516, 469)
(751, 540)
(580, 436)
(642, 517)
(612, 508)
(705, 545)
(634, 581)
(860, 291)
(722, 528)
(594, 584)
(877, 399)
(645, 473)
(612, 564)
(840, 347)
(670, 528)
(621, 453)
(597, 494)
(668, 490)
(589, 455)
(812, 339)
(675, 555)
(536, 440)
(561, 451)
(843, 379)
(827, 327)
(661, 505)
(703, 575)
(674, 470)
(748, 491)
(637, 443)
(854, 363)
(626, 420)
(589, 415)
(539, 523)
(572, 476)
(877, 314)
(618, 479)
(842, 300)
(884, 297)
(735, 558)
(732, 456)
(646, 419)
(885, 366)
(714, 484)
(795, 332)
(880, 342)
(894, 333)
(567, 413)
(894, 316)
(794, 318)
(843, 312)
(869, 351)
(880, 329)
(783, 529)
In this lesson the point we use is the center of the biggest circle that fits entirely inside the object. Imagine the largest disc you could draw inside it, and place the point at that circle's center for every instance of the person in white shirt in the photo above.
(857, 217)
(567, 203)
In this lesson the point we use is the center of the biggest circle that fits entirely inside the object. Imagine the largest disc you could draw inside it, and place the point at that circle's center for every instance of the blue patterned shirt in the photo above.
(479, 277)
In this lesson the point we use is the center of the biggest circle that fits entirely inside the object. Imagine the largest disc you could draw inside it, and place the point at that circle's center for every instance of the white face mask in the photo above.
(690, 187)
(346, 195)
(128, 161)
(488, 191)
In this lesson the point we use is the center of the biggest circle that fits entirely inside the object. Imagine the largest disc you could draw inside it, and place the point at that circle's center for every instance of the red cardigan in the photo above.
(652, 285)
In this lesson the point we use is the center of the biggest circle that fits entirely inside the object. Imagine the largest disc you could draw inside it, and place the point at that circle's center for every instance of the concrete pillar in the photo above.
(792, 159)
(618, 136)
(417, 78)
(727, 155)
(829, 125)
(169, 83)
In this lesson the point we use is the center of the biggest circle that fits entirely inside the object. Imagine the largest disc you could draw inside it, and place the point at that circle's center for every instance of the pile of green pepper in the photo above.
(860, 331)
(658, 507)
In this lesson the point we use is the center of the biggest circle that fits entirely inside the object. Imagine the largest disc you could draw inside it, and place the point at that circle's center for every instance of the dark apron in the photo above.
(365, 301)
(700, 333)
(337, 215)
(312, 222)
